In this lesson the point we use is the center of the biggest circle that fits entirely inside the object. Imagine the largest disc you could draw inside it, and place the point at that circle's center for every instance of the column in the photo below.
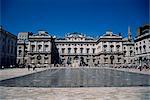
(29, 46)
(114, 46)
(42, 45)
(49, 46)
(49, 51)
(108, 46)
(35, 45)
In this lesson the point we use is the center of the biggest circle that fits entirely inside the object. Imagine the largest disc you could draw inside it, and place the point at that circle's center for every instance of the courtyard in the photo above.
(74, 84)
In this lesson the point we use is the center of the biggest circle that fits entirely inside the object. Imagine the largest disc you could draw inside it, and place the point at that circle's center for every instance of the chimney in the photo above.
(129, 33)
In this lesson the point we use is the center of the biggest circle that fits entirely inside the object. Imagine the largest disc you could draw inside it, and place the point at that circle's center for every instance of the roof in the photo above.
(75, 34)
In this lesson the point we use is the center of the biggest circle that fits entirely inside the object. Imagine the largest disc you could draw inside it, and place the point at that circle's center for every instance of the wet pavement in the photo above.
(79, 77)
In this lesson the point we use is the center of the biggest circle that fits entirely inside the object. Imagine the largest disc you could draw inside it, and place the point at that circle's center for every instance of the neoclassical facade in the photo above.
(8, 48)
(75, 49)
(34, 49)
(142, 46)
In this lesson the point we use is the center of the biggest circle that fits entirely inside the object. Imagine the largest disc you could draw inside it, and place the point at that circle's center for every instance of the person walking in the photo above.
(28, 67)
(34, 67)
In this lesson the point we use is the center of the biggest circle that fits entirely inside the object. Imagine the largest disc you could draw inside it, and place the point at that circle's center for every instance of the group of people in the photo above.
(144, 67)
(140, 67)
(29, 67)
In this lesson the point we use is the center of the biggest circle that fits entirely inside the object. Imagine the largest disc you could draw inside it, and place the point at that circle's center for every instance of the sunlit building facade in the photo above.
(142, 46)
(75, 49)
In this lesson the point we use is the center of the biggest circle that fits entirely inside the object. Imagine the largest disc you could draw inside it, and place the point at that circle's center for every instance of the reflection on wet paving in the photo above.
(79, 77)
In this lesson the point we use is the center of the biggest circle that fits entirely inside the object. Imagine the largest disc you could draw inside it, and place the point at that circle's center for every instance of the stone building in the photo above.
(142, 45)
(74, 49)
(128, 49)
(34, 49)
(77, 48)
(8, 45)
(110, 49)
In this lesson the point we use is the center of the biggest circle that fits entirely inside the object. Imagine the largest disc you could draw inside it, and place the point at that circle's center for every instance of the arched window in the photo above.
(20, 51)
(111, 47)
(125, 52)
(144, 47)
(46, 47)
(69, 50)
(118, 46)
(39, 47)
(75, 50)
(140, 49)
(81, 50)
(131, 52)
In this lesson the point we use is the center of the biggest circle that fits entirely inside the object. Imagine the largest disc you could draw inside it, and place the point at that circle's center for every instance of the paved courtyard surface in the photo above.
(79, 77)
(100, 93)
(17, 72)
(16, 76)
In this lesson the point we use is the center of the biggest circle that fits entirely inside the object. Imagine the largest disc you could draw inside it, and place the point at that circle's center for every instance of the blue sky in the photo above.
(92, 17)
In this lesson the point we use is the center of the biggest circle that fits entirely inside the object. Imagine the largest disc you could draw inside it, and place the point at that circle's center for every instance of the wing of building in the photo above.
(8, 49)
(142, 46)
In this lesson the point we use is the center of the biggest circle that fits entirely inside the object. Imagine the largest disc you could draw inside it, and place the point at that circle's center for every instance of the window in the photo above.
(131, 53)
(69, 50)
(111, 48)
(87, 50)
(87, 60)
(137, 49)
(32, 60)
(93, 60)
(20, 47)
(105, 46)
(25, 53)
(20, 52)
(63, 50)
(81, 50)
(118, 46)
(125, 52)
(93, 50)
(75, 50)
(105, 60)
(46, 47)
(45, 60)
(124, 61)
(39, 47)
(144, 47)
(140, 49)
(119, 59)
